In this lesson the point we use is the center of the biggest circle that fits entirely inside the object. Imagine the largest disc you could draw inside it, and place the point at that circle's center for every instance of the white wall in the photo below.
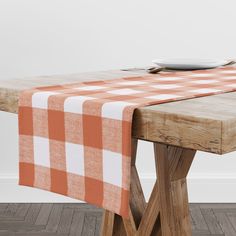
(55, 37)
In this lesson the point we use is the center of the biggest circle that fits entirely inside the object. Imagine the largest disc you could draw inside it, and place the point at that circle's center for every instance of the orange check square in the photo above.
(126, 138)
(26, 124)
(92, 130)
(93, 191)
(26, 174)
(58, 181)
(56, 125)
(124, 202)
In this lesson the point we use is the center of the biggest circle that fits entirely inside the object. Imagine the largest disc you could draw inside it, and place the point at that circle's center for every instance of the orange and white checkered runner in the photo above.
(75, 139)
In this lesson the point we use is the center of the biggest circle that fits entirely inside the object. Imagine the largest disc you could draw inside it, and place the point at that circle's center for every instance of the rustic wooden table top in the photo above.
(206, 124)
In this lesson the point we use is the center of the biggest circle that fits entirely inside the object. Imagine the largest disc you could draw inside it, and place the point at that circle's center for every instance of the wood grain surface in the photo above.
(206, 124)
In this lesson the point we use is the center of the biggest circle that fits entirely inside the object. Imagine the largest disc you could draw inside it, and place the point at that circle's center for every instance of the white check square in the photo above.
(40, 99)
(166, 86)
(204, 91)
(75, 158)
(207, 81)
(132, 83)
(114, 110)
(124, 91)
(75, 104)
(41, 151)
(90, 88)
(228, 71)
(170, 78)
(162, 97)
(112, 168)
(231, 77)
(231, 85)
(202, 75)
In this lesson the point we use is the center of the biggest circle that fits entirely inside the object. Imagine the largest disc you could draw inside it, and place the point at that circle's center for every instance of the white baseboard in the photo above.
(202, 188)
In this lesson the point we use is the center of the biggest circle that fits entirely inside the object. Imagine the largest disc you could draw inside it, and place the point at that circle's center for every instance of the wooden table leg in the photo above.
(167, 212)
(173, 164)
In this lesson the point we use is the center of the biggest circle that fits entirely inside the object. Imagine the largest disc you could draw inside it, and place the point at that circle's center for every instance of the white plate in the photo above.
(189, 64)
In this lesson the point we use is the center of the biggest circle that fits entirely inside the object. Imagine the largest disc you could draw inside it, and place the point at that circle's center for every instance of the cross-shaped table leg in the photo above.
(167, 211)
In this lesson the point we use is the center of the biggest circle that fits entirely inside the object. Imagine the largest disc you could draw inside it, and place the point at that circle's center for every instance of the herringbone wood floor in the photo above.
(82, 219)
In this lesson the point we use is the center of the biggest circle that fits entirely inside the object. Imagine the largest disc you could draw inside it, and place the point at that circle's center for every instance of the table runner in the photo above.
(75, 139)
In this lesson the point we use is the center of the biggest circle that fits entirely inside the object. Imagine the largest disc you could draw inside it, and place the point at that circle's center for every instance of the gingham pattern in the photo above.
(75, 139)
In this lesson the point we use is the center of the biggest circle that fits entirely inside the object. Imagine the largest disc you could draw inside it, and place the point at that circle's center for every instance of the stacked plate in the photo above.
(189, 64)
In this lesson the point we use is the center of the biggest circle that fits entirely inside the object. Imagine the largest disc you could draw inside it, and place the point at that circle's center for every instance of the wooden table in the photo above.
(177, 130)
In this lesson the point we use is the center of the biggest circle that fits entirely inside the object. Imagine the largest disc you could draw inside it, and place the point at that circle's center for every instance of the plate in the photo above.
(189, 64)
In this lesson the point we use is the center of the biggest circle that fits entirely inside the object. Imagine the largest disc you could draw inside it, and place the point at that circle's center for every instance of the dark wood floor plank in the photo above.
(82, 207)
(65, 221)
(215, 205)
(33, 212)
(98, 224)
(20, 226)
(225, 224)
(31, 234)
(203, 232)
(13, 218)
(211, 221)
(85, 220)
(44, 214)
(89, 225)
(197, 234)
(22, 209)
(232, 219)
(6, 234)
(11, 209)
(39, 234)
(198, 221)
(3, 206)
(225, 210)
(54, 218)
(77, 223)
